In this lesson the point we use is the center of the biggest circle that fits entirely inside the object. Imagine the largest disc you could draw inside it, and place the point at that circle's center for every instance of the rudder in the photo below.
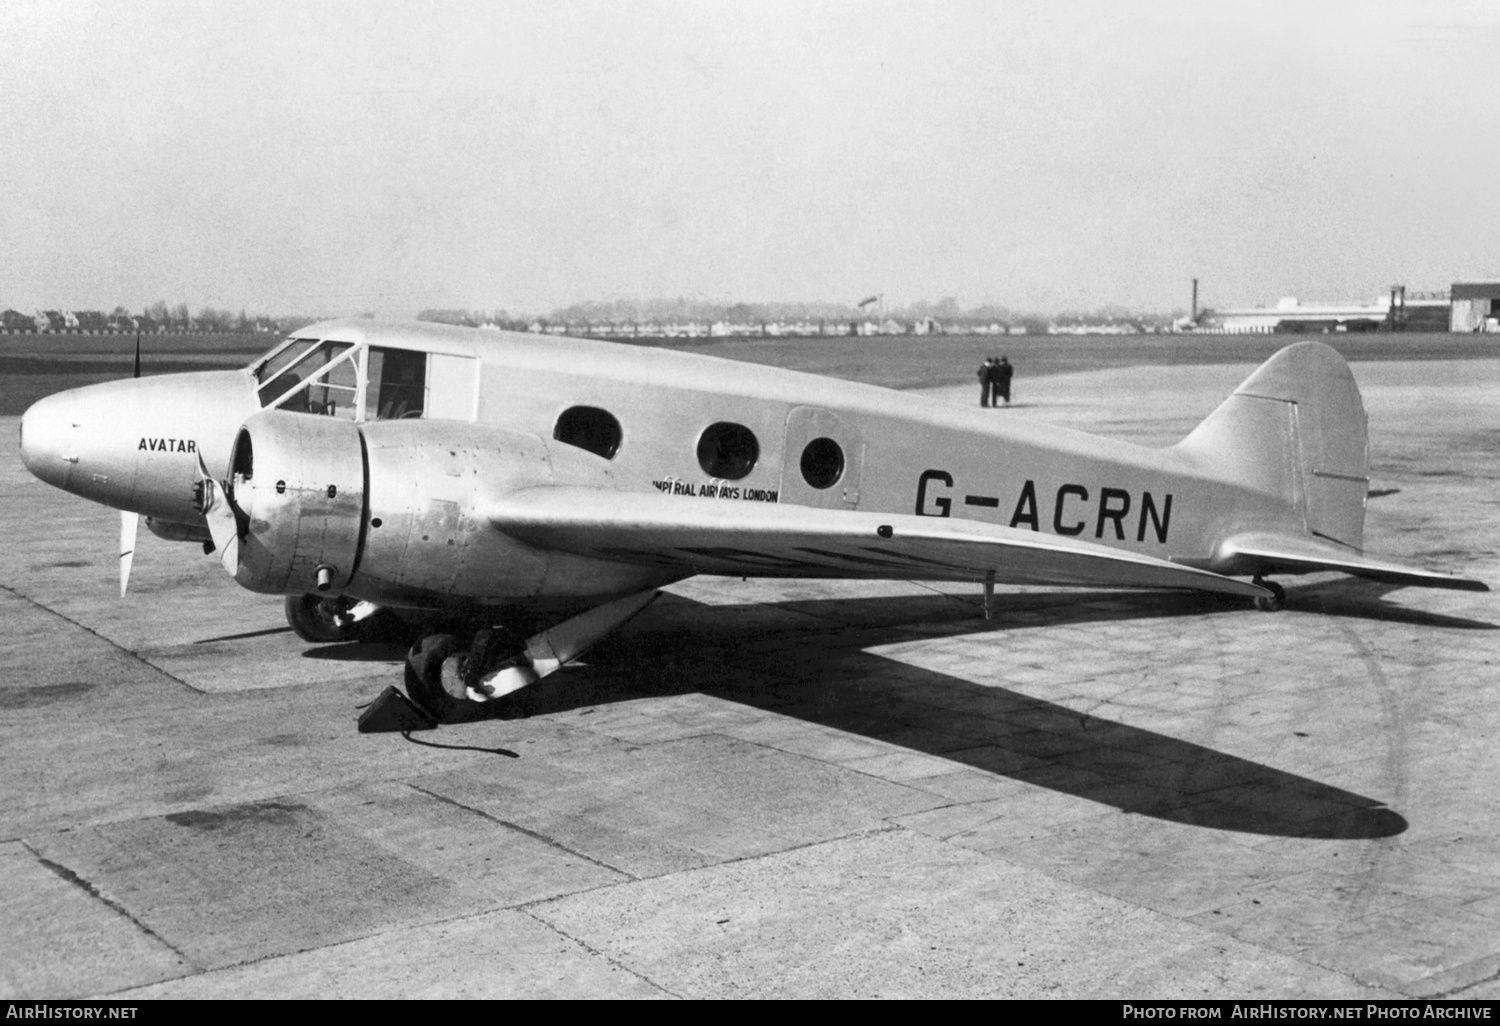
(1296, 429)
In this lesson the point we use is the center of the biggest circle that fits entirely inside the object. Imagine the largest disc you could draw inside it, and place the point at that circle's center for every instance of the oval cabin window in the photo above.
(727, 450)
(589, 428)
(822, 463)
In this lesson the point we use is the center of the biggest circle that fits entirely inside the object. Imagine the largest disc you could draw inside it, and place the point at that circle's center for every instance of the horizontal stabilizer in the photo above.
(1269, 553)
(736, 538)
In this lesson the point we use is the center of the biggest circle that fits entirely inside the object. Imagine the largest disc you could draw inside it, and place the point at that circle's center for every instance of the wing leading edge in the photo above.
(729, 538)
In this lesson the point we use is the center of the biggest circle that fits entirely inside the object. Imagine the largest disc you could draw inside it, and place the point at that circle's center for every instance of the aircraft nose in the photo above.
(49, 438)
(135, 443)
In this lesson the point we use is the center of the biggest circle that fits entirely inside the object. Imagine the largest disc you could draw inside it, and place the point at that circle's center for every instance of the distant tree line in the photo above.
(946, 312)
(157, 317)
(475, 318)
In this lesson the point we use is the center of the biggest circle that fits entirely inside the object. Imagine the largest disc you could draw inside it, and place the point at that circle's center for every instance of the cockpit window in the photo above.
(361, 382)
(311, 377)
(397, 385)
(283, 356)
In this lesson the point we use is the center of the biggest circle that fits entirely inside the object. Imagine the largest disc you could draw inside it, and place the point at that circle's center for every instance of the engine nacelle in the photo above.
(428, 538)
(396, 512)
(297, 483)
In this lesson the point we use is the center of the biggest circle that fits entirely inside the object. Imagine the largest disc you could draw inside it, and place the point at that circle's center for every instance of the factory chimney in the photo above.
(1195, 300)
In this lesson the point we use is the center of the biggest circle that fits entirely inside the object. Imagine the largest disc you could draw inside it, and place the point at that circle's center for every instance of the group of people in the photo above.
(994, 381)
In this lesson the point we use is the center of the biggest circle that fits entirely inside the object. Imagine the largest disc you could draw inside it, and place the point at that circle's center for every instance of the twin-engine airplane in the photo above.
(501, 479)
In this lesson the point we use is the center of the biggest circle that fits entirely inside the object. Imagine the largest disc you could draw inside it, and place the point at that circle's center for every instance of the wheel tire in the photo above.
(311, 618)
(434, 680)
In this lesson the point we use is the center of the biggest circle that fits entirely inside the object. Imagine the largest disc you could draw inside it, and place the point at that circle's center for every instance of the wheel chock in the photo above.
(393, 712)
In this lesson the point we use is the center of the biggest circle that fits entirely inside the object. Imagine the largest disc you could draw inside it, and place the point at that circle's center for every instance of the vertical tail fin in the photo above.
(1295, 429)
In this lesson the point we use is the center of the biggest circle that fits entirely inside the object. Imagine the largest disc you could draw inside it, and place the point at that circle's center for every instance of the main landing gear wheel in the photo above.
(1274, 602)
(325, 619)
(452, 676)
(435, 680)
(315, 618)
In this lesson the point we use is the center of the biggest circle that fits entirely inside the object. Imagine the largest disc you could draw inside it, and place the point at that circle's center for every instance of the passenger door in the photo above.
(822, 461)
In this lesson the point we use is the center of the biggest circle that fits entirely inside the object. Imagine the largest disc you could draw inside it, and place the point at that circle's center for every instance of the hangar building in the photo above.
(1467, 306)
(1475, 306)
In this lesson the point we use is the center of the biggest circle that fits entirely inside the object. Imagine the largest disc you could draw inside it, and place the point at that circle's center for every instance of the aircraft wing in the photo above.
(1272, 553)
(736, 538)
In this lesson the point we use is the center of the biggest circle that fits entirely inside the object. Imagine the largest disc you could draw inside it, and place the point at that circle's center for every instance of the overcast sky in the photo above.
(387, 156)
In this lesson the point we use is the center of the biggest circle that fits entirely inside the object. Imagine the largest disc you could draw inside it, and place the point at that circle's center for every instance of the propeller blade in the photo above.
(129, 524)
(222, 525)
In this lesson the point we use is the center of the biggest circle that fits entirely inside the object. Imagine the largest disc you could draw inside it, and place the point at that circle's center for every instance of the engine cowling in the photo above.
(429, 538)
(297, 483)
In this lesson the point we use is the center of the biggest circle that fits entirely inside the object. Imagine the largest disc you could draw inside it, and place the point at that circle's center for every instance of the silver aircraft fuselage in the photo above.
(135, 444)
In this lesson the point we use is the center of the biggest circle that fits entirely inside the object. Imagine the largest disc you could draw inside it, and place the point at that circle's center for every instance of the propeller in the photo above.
(222, 524)
(129, 522)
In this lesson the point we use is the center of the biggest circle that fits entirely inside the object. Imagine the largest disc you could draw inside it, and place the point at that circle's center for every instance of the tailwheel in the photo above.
(435, 679)
(1274, 602)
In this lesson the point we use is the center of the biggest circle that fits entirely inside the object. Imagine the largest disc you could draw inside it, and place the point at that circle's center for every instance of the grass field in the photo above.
(930, 361)
(33, 366)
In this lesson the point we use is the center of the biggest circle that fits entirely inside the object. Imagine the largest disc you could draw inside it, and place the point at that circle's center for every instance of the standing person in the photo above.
(1003, 373)
(987, 381)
